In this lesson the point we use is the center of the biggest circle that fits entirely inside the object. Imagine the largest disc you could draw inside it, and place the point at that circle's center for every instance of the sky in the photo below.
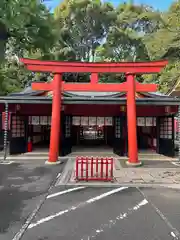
(158, 4)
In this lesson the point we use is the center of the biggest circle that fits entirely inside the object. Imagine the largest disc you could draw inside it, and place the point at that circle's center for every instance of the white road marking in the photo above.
(176, 163)
(174, 235)
(111, 223)
(174, 230)
(6, 162)
(59, 174)
(106, 194)
(15, 178)
(91, 200)
(24, 227)
(64, 192)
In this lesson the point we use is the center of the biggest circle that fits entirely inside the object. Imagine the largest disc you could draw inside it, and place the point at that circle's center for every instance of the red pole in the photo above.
(77, 168)
(56, 118)
(131, 121)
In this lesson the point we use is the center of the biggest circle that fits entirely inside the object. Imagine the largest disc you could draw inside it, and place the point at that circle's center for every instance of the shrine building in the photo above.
(127, 117)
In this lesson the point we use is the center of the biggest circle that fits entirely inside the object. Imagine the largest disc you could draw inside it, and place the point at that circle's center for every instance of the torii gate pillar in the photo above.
(55, 120)
(131, 122)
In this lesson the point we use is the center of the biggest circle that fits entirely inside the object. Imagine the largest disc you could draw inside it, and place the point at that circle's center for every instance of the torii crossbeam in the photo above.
(130, 87)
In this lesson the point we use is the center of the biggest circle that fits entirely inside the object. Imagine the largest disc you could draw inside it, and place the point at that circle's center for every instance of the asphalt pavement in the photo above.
(23, 189)
(102, 213)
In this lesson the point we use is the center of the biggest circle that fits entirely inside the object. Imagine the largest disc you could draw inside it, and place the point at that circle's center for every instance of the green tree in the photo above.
(165, 44)
(32, 34)
(125, 40)
(83, 25)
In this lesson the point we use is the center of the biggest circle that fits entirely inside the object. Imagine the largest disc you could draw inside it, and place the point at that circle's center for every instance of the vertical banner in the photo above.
(49, 120)
(3, 120)
(84, 121)
(92, 121)
(149, 121)
(43, 120)
(100, 121)
(76, 120)
(154, 121)
(108, 121)
(35, 120)
(141, 121)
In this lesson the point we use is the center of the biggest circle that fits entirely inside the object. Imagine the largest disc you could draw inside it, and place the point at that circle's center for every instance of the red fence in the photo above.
(94, 169)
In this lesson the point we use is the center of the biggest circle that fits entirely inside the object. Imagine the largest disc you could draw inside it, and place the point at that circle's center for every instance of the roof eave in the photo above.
(77, 100)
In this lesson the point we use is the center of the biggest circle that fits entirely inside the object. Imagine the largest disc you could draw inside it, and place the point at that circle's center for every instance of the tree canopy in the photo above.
(88, 30)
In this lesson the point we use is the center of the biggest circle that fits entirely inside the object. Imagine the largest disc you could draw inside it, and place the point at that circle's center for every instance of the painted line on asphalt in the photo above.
(64, 192)
(176, 163)
(91, 200)
(24, 227)
(174, 231)
(174, 235)
(6, 162)
(111, 222)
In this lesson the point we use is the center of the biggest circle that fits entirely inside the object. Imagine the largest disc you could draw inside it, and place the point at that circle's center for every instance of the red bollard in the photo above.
(107, 167)
(92, 166)
(101, 173)
(87, 165)
(102, 166)
(82, 165)
(97, 166)
(111, 168)
(77, 168)
(29, 145)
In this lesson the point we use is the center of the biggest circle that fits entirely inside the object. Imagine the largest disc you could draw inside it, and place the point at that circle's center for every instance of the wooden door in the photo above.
(18, 141)
(119, 136)
(66, 133)
(165, 136)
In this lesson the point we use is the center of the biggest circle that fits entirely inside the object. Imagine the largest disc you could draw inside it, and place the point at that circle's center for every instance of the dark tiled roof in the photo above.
(26, 92)
(29, 92)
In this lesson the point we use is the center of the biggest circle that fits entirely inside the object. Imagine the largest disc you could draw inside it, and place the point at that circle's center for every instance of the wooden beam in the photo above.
(42, 86)
(99, 69)
(94, 87)
(161, 63)
(146, 87)
(94, 78)
(100, 87)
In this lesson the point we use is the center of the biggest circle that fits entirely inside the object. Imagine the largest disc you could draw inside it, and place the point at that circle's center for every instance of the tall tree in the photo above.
(30, 26)
(125, 40)
(83, 26)
(165, 43)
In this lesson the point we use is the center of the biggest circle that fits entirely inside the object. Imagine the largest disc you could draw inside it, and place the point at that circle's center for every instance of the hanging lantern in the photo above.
(123, 109)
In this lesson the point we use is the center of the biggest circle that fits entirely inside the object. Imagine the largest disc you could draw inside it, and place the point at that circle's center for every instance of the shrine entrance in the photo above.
(38, 132)
(88, 131)
(130, 87)
(146, 133)
(92, 135)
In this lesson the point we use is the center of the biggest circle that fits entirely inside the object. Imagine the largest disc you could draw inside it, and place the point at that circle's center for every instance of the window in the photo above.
(166, 130)
(68, 126)
(117, 127)
(18, 128)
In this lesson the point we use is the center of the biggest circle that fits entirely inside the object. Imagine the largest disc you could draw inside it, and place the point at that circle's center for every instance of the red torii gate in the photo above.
(130, 86)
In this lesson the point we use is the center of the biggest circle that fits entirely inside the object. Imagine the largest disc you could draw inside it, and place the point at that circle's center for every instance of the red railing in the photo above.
(94, 169)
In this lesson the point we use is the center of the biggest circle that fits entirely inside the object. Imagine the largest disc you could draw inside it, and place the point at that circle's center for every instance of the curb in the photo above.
(114, 185)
